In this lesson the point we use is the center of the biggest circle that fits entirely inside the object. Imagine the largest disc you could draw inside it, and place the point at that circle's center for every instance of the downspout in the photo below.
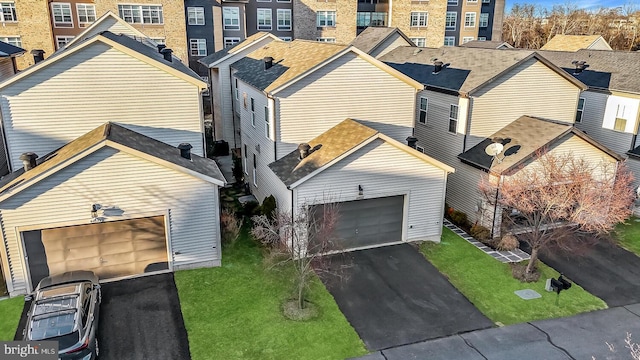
(495, 206)
(272, 125)
(468, 123)
(233, 110)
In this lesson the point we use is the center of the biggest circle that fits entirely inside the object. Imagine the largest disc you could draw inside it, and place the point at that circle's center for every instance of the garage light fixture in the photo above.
(360, 190)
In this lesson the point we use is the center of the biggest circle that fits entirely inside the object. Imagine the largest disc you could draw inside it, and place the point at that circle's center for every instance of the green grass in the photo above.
(628, 235)
(234, 312)
(10, 311)
(489, 285)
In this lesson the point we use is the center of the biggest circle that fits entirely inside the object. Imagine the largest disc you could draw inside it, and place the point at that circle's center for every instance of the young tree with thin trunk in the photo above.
(560, 197)
(300, 240)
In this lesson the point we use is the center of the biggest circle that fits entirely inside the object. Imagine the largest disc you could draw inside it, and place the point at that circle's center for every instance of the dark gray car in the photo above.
(65, 308)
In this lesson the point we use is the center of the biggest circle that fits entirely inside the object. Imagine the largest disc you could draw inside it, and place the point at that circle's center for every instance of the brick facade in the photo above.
(433, 32)
(305, 24)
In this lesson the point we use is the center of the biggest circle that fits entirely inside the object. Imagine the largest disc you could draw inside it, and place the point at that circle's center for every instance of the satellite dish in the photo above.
(494, 149)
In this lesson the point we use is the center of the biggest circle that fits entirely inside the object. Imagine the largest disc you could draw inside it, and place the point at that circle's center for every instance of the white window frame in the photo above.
(285, 38)
(454, 115)
(10, 8)
(88, 11)
(466, 39)
(283, 19)
(231, 18)
(449, 41)
(61, 7)
(330, 40)
(230, 41)
(283, 1)
(483, 22)
(255, 171)
(267, 122)
(195, 13)
(486, 1)
(580, 110)
(198, 47)
(482, 38)
(451, 25)
(620, 118)
(423, 110)
(452, 2)
(63, 38)
(328, 16)
(419, 41)
(263, 21)
(470, 19)
(237, 90)
(252, 110)
(472, 1)
(245, 159)
(419, 19)
(141, 14)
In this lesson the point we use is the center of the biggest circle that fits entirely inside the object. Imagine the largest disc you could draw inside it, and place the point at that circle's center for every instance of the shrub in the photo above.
(459, 218)
(249, 209)
(268, 207)
(230, 226)
(480, 233)
(508, 243)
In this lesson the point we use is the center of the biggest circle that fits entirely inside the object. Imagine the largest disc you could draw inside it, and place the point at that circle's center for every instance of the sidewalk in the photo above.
(583, 336)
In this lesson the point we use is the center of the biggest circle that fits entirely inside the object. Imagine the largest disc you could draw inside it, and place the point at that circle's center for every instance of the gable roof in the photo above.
(332, 146)
(8, 50)
(372, 37)
(118, 137)
(215, 58)
(125, 44)
(109, 15)
(613, 70)
(572, 42)
(521, 140)
(466, 69)
(293, 60)
(488, 44)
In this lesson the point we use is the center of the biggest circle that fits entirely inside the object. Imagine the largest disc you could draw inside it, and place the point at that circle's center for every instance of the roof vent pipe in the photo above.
(38, 55)
(304, 150)
(28, 160)
(411, 141)
(185, 150)
(167, 54)
(580, 66)
(437, 66)
(161, 47)
(268, 62)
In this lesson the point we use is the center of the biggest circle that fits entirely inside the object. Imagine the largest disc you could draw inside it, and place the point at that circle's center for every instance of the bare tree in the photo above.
(584, 196)
(301, 240)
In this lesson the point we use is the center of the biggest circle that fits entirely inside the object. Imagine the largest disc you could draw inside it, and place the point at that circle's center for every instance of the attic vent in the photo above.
(167, 54)
(580, 66)
(268, 62)
(185, 150)
(437, 66)
(304, 150)
(28, 160)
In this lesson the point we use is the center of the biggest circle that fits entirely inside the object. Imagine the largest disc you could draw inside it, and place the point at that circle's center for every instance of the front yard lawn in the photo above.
(489, 285)
(628, 235)
(234, 312)
(10, 312)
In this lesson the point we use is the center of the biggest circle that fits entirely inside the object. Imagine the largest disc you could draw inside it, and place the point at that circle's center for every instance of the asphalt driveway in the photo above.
(141, 319)
(604, 269)
(393, 296)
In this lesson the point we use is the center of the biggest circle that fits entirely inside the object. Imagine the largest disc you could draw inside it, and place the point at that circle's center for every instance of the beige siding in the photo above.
(529, 89)
(140, 188)
(384, 170)
(6, 68)
(391, 43)
(112, 25)
(462, 190)
(75, 95)
(349, 87)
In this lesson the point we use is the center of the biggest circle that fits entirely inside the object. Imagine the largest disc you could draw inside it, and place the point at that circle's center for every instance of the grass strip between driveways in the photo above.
(489, 285)
(234, 312)
(10, 312)
(628, 235)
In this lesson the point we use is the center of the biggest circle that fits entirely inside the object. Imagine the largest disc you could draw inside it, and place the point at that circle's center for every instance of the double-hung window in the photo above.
(61, 15)
(230, 41)
(621, 121)
(13, 40)
(231, 16)
(419, 18)
(264, 19)
(484, 20)
(419, 41)
(580, 110)
(326, 18)
(255, 170)
(195, 15)
(470, 19)
(237, 91)
(8, 12)
(141, 14)
(451, 20)
(424, 106)
(449, 41)
(62, 41)
(453, 119)
(245, 158)
(253, 112)
(284, 19)
(198, 47)
(266, 122)
(86, 14)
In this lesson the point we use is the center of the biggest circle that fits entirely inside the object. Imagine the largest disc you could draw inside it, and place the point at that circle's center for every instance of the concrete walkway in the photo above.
(594, 335)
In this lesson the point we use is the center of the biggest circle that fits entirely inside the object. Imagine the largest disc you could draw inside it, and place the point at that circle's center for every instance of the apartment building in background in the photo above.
(468, 20)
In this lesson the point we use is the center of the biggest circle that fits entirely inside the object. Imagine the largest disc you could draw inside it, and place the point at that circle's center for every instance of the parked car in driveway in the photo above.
(65, 308)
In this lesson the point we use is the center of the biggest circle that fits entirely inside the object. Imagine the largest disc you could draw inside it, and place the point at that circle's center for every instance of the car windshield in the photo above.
(55, 304)
(53, 325)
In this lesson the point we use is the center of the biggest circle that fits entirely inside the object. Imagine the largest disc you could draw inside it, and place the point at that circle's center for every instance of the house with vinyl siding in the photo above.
(472, 94)
(107, 22)
(113, 201)
(106, 77)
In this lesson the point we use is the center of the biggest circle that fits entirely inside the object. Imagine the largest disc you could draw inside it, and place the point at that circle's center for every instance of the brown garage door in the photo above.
(110, 249)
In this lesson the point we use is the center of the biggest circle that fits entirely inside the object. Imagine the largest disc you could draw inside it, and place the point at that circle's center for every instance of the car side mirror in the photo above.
(28, 297)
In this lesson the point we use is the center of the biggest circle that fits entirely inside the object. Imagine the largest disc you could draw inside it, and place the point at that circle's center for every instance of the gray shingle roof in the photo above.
(487, 44)
(371, 37)
(123, 136)
(8, 50)
(521, 140)
(614, 70)
(466, 68)
(212, 58)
